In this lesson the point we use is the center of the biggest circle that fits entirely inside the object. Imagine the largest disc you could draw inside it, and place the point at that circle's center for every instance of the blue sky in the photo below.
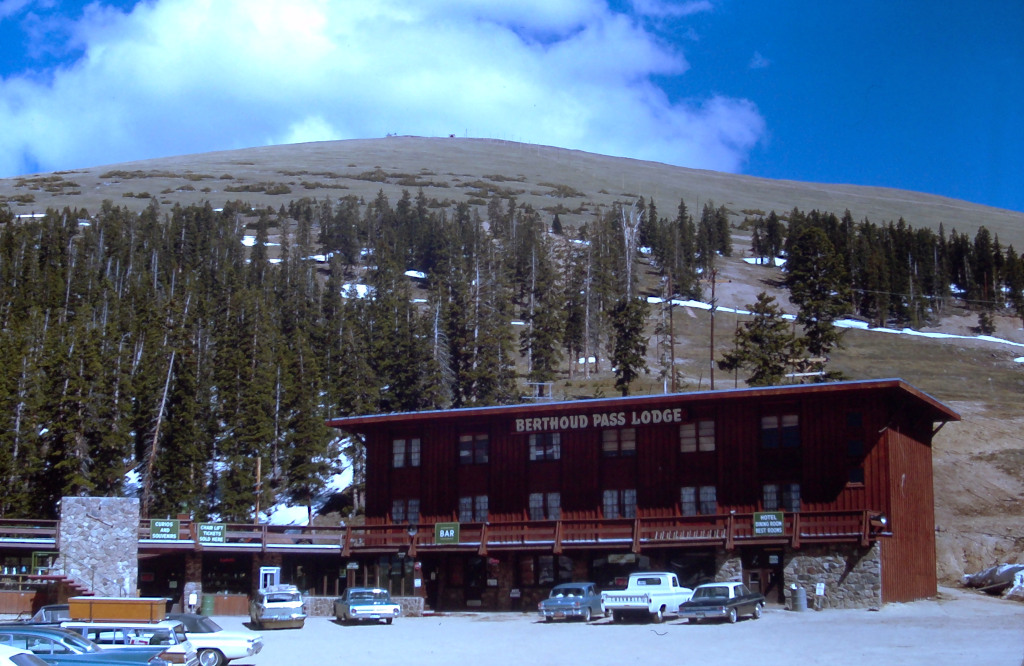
(918, 95)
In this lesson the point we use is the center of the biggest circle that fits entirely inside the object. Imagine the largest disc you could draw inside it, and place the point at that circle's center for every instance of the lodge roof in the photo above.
(937, 411)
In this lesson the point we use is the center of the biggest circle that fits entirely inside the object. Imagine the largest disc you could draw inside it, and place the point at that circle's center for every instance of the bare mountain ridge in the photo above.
(978, 463)
(571, 182)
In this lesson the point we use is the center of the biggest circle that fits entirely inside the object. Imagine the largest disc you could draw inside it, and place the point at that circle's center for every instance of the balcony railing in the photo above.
(554, 536)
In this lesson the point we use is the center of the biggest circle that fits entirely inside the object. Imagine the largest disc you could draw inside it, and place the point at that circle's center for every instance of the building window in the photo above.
(545, 569)
(545, 506)
(473, 509)
(405, 510)
(780, 431)
(474, 449)
(781, 496)
(546, 446)
(618, 442)
(702, 500)
(405, 452)
(620, 503)
(699, 436)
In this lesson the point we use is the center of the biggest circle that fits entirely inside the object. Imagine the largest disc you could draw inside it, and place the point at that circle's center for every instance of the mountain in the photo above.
(978, 462)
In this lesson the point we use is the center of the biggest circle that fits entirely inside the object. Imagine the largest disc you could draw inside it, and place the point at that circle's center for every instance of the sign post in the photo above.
(769, 523)
(446, 533)
(212, 532)
(164, 530)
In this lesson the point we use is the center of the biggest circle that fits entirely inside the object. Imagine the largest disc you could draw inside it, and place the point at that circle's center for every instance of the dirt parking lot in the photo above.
(956, 628)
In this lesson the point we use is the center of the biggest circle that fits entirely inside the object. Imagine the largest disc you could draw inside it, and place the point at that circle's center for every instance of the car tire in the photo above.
(733, 616)
(757, 611)
(658, 616)
(587, 614)
(388, 620)
(211, 658)
(616, 616)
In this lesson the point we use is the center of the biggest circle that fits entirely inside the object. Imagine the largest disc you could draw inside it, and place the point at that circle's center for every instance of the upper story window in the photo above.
(545, 506)
(780, 431)
(618, 442)
(702, 500)
(473, 509)
(699, 436)
(405, 452)
(619, 503)
(781, 496)
(405, 510)
(546, 446)
(474, 449)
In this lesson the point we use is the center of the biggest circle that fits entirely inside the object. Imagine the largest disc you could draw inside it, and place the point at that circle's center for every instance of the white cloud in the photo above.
(184, 76)
(758, 61)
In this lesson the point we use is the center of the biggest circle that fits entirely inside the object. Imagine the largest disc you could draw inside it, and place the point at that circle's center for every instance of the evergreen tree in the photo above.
(629, 346)
(818, 286)
(763, 346)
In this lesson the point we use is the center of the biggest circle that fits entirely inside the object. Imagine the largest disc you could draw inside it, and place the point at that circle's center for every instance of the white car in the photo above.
(10, 656)
(215, 645)
(127, 635)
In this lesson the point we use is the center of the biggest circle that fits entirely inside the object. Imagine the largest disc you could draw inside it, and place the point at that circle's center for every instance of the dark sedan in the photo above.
(723, 601)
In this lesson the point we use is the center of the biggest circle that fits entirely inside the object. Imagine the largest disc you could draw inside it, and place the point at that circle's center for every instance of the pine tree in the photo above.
(818, 286)
(763, 346)
(629, 346)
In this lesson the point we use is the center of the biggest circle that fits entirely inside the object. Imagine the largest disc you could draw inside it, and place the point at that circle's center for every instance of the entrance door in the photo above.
(763, 572)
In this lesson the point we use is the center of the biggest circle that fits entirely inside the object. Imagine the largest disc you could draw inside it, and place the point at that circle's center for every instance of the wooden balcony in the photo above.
(553, 536)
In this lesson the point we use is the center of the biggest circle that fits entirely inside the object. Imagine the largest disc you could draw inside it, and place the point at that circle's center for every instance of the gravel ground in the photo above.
(957, 628)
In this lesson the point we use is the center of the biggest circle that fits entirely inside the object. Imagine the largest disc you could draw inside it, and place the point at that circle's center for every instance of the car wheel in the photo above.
(733, 616)
(587, 614)
(388, 620)
(659, 616)
(210, 658)
(757, 611)
(548, 618)
(616, 616)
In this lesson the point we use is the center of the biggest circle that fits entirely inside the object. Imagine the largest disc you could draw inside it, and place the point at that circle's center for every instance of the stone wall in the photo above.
(99, 544)
(852, 575)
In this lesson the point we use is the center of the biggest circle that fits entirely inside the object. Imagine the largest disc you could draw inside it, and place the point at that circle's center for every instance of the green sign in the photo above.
(212, 532)
(446, 533)
(769, 523)
(165, 530)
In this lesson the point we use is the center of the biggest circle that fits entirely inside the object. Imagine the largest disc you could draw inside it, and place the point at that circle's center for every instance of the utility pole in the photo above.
(671, 333)
(714, 274)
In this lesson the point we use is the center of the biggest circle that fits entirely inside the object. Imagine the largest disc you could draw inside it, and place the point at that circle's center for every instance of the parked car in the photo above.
(63, 647)
(135, 635)
(15, 657)
(278, 607)
(51, 614)
(362, 604)
(567, 600)
(726, 601)
(215, 645)
(651, 594)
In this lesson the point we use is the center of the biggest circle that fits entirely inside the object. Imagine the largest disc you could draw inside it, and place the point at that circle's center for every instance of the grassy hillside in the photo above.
(979, 487)
(570, 182)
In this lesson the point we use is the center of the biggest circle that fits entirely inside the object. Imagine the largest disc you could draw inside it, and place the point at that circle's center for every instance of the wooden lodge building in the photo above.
(827, 487)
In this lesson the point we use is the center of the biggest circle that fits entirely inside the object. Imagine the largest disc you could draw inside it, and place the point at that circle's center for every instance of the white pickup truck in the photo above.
(653, 593)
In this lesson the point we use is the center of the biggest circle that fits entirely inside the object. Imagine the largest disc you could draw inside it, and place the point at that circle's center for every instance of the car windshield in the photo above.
(204, 625)
(282, 597)
(78, 643)
(368, 595)
(717, 591)
(566, 592)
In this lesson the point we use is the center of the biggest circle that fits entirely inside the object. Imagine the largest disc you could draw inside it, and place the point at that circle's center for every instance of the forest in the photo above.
(159, 348)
